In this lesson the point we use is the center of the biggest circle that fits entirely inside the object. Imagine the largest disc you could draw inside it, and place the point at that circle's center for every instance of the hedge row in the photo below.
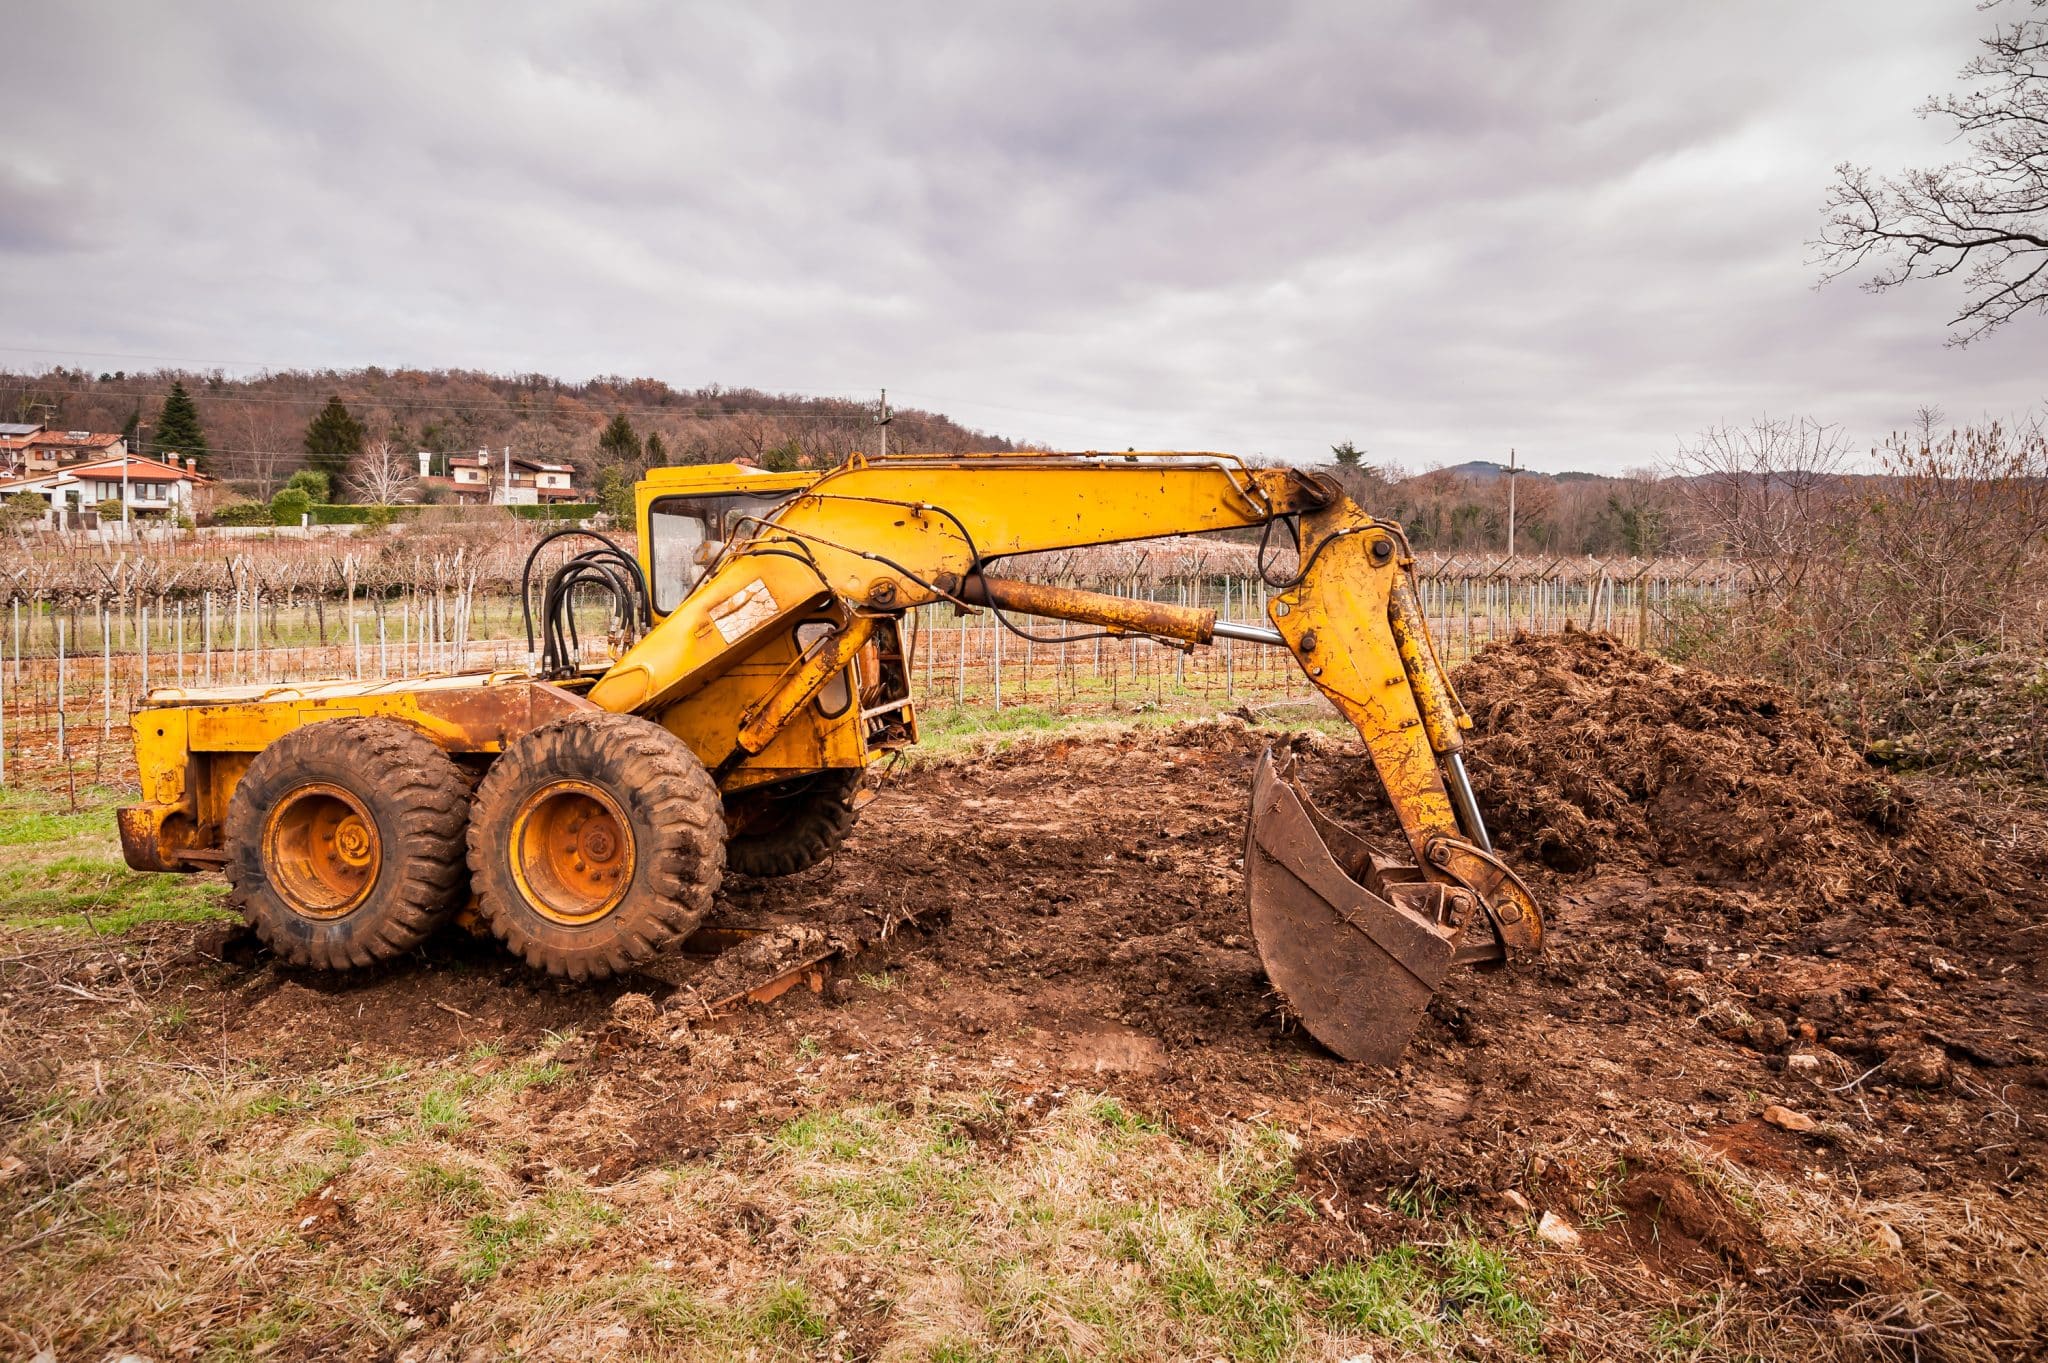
(325, 513)
(559, 511)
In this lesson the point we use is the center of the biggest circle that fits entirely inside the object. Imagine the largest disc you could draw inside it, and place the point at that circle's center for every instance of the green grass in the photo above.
(947, 729)
(63, 869)
(1392, 1295)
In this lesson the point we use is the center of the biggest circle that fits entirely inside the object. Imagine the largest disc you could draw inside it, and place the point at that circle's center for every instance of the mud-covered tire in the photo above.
(595, 842)
(814, 819)
(379, 788)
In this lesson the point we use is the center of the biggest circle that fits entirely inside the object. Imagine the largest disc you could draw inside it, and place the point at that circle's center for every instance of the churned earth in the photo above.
(1774, 1090)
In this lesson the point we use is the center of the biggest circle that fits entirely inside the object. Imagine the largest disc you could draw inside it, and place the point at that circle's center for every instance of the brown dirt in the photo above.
(1742, 913)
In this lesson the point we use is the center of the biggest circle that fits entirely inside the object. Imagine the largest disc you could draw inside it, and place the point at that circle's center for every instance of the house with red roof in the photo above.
(29, 449)
(150, 488)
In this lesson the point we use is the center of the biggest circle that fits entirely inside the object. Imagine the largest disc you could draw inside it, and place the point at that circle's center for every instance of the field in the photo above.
(1774, 1092)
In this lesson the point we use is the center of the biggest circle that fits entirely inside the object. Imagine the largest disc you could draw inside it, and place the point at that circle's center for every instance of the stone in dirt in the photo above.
(1786, 1119)
(1555, 1230)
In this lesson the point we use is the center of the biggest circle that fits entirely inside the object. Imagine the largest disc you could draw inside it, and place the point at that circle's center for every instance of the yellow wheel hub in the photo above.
(572, 852)
(321, 850)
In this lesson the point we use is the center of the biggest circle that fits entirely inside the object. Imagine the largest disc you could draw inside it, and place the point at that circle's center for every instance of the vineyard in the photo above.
(89, 634)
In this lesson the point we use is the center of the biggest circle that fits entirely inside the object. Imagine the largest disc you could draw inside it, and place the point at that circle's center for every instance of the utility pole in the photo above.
(140, 427)
(1511, 502)
(882, 420)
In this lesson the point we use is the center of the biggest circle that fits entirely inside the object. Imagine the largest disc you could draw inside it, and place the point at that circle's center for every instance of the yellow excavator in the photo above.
(587, 812)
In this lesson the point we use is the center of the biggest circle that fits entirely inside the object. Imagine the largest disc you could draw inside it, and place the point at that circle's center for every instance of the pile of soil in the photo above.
(1590, 756)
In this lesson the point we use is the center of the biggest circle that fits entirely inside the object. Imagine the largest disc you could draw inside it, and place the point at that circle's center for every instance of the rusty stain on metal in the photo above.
(1120, 613)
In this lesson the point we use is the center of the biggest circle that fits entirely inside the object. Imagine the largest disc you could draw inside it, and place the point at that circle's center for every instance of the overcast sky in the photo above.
(1435, 229)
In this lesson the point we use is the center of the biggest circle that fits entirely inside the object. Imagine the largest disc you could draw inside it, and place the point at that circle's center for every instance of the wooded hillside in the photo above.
(255, 427)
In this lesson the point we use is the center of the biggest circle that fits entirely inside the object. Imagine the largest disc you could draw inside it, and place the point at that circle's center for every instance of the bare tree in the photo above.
(265, 457)
(1984, 217)
(381, 475)
(1761, 493)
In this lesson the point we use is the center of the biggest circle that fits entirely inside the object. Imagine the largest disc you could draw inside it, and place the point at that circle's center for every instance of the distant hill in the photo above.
(1483, 470)
(255, 426)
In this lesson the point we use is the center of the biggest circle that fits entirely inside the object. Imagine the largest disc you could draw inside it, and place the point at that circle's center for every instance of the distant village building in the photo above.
(26, 449)
(151, 489)
(479, 479)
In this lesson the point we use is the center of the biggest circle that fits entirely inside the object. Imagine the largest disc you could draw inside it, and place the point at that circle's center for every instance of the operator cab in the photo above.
(689, 514)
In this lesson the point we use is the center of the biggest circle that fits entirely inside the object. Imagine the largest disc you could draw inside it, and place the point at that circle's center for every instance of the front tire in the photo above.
(595, 842)
(345, 844)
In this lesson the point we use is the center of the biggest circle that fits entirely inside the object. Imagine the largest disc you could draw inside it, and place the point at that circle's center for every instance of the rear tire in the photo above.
(595, 842)
(799, 827)
(344, 842)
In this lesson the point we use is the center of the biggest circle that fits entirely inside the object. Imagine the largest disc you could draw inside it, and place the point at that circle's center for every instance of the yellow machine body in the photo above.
(775, 653)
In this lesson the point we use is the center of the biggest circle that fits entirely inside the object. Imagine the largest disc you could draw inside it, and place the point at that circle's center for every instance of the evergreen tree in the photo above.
(1348, 454)
(657, 451)
(332, 440)
(615, 495)
(619, 446)
(177, 433)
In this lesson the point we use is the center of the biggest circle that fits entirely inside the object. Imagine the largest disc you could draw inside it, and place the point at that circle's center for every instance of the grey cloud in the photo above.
(1576, 228)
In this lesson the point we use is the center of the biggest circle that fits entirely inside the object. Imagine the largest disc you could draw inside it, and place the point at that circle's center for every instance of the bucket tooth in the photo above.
(1356, 965)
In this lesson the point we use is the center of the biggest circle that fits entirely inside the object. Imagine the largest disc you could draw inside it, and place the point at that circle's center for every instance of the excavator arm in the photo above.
(1354, 941)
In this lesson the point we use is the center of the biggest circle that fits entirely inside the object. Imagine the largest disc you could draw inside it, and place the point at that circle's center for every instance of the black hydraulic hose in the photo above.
(611, 549)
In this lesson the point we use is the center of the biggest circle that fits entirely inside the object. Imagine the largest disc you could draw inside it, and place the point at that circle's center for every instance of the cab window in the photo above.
(677, 528)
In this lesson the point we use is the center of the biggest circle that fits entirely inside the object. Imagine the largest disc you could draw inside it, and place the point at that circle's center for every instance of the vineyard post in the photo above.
(63, 738)
(106, 680)
(1229, 673)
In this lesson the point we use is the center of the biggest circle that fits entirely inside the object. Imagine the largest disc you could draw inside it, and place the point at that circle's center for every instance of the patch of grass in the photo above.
(489, 1243)
(1117, 1117)
(64, 870)
(787, 1309)
(1254, 1316)
(673, 1314)
(1478, 1280)
(944, 730)
(441, 1111)
(534, 1074)
(456, 1188)
(1392, 1295)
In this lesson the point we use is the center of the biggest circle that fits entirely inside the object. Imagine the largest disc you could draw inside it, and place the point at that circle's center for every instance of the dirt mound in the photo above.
(1589, 755)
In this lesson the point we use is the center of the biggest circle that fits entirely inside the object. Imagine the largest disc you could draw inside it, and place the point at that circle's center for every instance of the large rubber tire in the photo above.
(595, 841)
(804, 826)
(344, 842)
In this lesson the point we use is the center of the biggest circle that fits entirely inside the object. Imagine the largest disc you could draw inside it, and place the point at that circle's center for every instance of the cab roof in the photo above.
(716, 478)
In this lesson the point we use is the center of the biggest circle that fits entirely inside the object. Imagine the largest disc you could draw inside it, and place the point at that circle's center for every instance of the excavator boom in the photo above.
(1354, 942)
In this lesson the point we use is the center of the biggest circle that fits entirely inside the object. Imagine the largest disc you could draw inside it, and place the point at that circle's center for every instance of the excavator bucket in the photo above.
(1354, 942)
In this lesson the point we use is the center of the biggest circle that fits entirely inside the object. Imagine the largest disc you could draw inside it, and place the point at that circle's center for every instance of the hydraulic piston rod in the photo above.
(1251, 634)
